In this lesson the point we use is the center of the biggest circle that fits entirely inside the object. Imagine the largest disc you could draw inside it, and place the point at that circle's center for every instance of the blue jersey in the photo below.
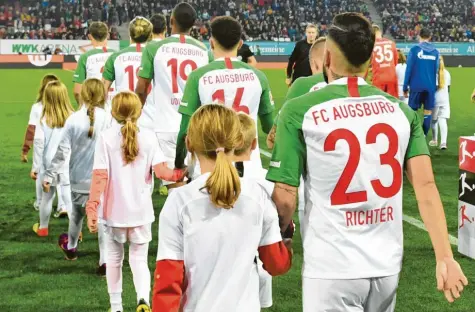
(422, 68)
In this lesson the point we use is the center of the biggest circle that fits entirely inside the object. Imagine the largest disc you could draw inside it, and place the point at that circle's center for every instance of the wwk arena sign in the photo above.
(67, 47)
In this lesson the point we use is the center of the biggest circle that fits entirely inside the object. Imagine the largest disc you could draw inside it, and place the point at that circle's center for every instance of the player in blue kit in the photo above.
(421, 77)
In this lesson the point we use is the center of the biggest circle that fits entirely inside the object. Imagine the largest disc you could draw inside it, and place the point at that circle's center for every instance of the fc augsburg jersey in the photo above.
(232, 83)
(351, 141)
(91, 64)
(123, 66)
(169, 62)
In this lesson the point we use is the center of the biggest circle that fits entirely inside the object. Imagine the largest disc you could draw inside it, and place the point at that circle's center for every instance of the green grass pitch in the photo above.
(34, 276)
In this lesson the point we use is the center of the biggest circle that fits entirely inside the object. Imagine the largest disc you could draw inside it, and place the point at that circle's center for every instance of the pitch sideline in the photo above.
(412, 221)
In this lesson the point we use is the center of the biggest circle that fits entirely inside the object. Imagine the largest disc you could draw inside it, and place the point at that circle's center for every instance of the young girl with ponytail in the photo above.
(211, 228)
(33, 125)
(124, 158)
(56, 109)
(79, 139)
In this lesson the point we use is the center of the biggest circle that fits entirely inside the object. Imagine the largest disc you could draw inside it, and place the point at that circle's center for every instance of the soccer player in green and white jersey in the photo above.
(352, 143)
(228, 81)
(91, 63)
(169, 63)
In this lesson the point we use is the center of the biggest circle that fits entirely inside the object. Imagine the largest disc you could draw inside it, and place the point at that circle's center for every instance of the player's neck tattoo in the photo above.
(335, 75)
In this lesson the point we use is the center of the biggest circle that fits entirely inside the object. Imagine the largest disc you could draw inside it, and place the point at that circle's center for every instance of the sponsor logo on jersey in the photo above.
(40, 60)
(422, 56)
(275, 164)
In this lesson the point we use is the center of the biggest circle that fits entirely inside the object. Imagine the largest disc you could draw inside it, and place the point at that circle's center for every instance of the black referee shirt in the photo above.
(299, 62)
(244, 53)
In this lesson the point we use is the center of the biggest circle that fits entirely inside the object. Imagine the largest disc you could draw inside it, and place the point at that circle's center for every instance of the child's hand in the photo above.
(46, 187)
(288, 244)
(33, 175)
(92, 225)
(24, 158)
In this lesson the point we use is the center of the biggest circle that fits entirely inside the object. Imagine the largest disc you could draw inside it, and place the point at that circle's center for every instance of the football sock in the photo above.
(39, 191)
(46, 206)
(75, 225)
(115, 257)
(435, 130)
(102, 238)
(60, 198)
(443, 130)
(427, 123)
(138, 254)
(65, 196)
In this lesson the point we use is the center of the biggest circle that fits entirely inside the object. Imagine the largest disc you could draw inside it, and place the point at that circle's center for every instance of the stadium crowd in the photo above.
(261, 19)
(451, 21)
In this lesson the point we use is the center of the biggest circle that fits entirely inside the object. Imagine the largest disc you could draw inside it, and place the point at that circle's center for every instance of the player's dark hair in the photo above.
(99, 31)
(185, 16)
(425, 33)
(227, 31)
(354, 35)
(159, 23)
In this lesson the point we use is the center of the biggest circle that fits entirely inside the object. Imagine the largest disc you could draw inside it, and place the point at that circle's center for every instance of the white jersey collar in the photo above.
(231, 58)
(344, 81)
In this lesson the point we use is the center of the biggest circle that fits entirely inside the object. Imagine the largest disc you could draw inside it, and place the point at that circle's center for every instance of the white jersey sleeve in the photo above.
(170, 230)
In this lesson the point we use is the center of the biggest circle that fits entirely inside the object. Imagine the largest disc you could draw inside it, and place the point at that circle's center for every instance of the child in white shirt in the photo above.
(441, 112)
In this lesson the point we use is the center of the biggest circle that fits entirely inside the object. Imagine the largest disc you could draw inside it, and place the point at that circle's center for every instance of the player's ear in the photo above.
(211, 43)
(90, 37)
(254, 144)
(240, 44)
(188, 145)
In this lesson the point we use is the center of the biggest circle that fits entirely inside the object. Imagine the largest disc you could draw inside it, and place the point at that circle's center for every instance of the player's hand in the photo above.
(24, 158)
(288, 82)
(33, 175)
(288, 244)
(46, 187)
(92, 225)
(271, 138)
(406, 94)
(450, 278)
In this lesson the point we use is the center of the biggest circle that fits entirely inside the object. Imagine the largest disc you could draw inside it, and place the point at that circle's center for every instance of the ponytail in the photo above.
(223, 185)
(130, 147)
(90, 113)
(441, 81)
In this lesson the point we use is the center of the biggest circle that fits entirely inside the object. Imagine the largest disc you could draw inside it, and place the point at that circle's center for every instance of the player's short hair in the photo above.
(249, 133)
(185, 16)
(353, 34)
(310, 25)
(376, 28)
(425, 33)
(317, 46)
(140, 29)
(99, 31)
(227, 31)
(159, 23)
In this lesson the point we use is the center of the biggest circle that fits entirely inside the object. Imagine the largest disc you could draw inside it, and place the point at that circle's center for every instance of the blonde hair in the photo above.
(92, 95)
(441, 73)
(126, 109)
(140, 30)
(46, 79)
(56, 104)
(249, 133)
(215, 131)
(401, 57)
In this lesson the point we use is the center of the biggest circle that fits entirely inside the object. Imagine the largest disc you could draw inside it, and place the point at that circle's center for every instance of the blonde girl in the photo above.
(124, 157)
(401, 73)
(56, 109)
(211, 228)
(80, 134)
(33, 124)
(441, 111)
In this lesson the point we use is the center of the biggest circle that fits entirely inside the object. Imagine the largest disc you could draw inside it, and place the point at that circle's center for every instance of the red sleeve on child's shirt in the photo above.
(98, 185)
(162, 172)
(276, 258)
(169, 285)
(29, 136)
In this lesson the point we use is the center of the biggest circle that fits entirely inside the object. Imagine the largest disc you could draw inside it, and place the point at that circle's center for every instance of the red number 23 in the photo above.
(340, 196)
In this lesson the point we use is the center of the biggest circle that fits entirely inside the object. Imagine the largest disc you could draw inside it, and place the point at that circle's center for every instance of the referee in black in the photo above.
(299, 64)
(245, 54)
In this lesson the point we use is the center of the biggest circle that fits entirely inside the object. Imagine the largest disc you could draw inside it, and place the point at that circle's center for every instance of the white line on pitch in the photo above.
(412, 221)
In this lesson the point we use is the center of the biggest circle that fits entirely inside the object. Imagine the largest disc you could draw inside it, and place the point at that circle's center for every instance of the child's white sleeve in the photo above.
(38, 148)
(170, 229)
(62, 153)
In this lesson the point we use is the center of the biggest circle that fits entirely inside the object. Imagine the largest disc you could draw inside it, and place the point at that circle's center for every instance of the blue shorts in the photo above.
(419, 99)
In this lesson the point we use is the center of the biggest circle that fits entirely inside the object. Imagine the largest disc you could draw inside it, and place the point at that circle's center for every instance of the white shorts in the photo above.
(137, 235)
(167, 142)
(359, 295)
(442, 111)
(265, 285)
